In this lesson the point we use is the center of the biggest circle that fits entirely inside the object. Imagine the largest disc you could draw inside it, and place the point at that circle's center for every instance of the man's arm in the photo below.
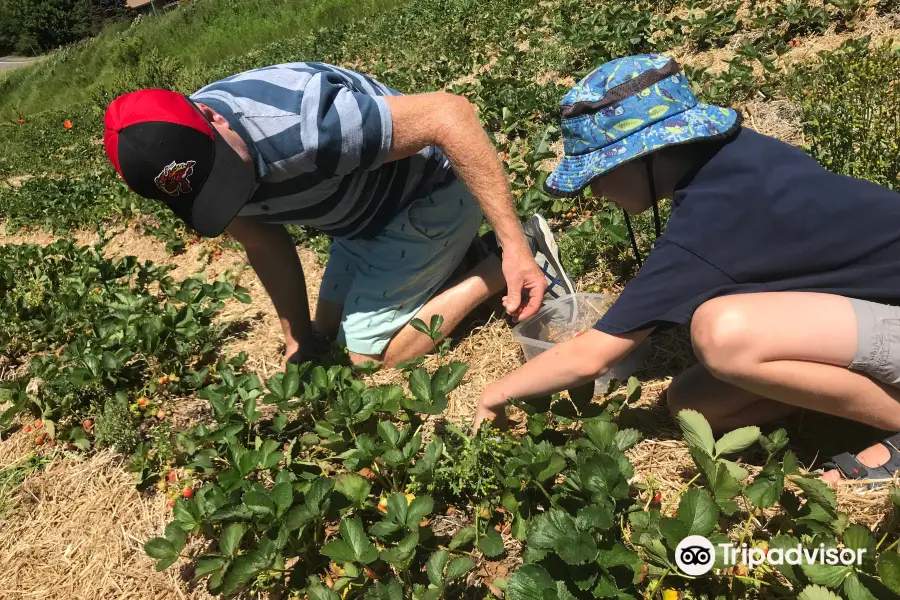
(450, 123)
(563, 367)
(272, 255)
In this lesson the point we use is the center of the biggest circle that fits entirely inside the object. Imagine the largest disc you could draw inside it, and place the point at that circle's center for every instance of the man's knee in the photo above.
(722, 336)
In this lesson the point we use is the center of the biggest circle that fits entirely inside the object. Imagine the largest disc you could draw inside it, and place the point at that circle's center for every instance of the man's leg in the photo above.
(409, 265)
(343, 264)
(453, 303)
(765, 355)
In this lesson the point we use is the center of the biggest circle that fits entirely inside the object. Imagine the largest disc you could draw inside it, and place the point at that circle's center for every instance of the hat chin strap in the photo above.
(637, 253)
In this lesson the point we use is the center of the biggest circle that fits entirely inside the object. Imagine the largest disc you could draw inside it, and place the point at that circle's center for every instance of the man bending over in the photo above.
(401, 183)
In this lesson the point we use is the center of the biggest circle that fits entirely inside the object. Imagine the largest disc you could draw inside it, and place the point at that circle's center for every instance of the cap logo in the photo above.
(174, 179)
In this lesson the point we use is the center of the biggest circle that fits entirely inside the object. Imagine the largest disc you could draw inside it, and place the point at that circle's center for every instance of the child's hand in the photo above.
(491, 409)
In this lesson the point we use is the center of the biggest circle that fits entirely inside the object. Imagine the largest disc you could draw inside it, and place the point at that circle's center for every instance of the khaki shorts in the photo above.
(878, 341)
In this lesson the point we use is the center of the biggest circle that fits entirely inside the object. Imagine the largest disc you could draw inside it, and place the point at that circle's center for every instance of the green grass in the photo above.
(194, 36)
(13, 476)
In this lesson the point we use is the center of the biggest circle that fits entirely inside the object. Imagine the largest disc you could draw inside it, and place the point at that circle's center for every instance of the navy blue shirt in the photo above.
(760, 215)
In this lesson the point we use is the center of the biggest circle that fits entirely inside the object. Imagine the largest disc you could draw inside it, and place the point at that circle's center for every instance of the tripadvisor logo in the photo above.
(695, 555)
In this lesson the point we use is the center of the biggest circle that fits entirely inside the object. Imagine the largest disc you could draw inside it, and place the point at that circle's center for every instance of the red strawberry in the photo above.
(657, 497)
(87, 424)
(171, 503)
(171, 476)
(188, 493)
(39, 440)
(142, 402)
(38, 423)
(28, 429)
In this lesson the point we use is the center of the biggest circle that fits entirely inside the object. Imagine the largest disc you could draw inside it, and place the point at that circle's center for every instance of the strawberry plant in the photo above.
(94, 330)
(728, 496)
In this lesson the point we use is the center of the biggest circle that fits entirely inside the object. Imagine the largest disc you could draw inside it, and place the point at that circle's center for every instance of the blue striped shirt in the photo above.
(319, 136)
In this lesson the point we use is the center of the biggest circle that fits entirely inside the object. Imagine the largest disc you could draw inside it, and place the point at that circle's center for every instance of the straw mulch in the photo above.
(76, 533)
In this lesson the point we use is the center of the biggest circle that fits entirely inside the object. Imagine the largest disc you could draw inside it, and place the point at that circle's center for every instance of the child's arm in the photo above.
(565, 366)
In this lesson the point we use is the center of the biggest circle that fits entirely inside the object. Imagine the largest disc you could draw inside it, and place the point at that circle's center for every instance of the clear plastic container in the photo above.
(564, 318)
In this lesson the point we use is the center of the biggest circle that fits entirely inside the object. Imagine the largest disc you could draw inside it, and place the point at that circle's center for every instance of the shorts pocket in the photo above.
(886, 364)
(429, 217)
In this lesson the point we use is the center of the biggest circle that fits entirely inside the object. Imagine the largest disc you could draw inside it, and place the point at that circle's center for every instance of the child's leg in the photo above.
(724, 405)
(728, 407)
(794, 348)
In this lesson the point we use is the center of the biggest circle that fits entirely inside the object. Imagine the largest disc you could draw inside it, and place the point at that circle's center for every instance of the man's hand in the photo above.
(292, 354)
(525, 284)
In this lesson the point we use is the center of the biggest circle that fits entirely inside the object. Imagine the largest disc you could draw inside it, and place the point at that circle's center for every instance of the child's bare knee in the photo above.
(720, 334)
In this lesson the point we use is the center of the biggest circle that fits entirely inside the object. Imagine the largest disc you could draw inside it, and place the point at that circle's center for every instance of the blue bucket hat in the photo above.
(628, 108)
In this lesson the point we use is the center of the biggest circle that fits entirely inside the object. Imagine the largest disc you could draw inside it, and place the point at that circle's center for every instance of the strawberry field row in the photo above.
(318, 482)
(431, 45)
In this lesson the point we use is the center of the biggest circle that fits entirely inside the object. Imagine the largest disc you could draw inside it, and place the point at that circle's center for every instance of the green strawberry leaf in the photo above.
(814, 592)
(531, 582)
(767, 486)
(737, 440)
(259, 503)
(828, 575)
(283, 497)
(819, 492)
(463, 537)
(491, 544)
(160, 548)
(205, 566)
(698, 512)
(242, 570)
(889, 570)
(355, 487)
(435, 567)
(556, 530)
(231, 538)
(696, 430)
(458, 567)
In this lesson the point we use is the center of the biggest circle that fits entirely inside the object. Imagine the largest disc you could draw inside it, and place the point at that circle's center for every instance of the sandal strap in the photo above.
(849, 466)
(892, 464)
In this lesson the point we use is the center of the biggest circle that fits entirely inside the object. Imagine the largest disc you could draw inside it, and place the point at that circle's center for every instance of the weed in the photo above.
(116, 426)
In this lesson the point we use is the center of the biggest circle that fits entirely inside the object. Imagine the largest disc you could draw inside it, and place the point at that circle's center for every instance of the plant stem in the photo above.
(684, 488)
(549, 497)
(657, 583)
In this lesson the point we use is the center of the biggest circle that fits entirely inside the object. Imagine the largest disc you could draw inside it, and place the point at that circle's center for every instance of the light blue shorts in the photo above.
(383, 282)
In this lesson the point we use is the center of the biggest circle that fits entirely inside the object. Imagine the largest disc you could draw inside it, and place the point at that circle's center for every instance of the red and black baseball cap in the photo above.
(165, 149)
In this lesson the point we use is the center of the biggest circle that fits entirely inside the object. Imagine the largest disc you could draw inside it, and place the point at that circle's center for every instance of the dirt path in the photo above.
(7, 63)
